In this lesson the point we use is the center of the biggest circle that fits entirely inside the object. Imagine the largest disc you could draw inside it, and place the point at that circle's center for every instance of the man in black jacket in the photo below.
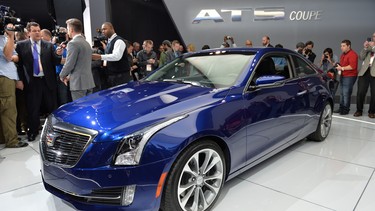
(38, 59)
(115, 57)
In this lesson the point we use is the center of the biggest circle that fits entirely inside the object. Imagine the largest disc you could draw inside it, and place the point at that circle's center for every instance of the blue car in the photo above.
(170, 141)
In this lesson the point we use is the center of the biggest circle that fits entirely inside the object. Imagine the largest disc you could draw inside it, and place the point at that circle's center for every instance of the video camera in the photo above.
(98, 39)
(8, 16)
(59, 33)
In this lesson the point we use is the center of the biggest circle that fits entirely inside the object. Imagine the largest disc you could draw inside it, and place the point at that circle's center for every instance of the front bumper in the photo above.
(103, 188)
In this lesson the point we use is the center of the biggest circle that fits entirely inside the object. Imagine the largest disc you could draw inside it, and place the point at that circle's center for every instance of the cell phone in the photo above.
(369, 39)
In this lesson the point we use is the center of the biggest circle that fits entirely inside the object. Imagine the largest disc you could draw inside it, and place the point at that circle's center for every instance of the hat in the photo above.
(167, 42)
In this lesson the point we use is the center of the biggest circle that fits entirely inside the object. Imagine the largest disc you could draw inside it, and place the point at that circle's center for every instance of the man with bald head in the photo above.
(115, 59)
(266, 42)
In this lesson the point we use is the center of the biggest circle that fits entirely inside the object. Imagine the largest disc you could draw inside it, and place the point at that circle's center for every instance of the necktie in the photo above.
(108, 47)
(36, 60)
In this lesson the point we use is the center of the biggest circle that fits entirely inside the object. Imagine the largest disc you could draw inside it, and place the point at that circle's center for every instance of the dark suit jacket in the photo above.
(48, 59)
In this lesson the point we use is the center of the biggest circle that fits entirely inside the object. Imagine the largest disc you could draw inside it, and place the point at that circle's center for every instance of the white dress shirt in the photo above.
(118, 50)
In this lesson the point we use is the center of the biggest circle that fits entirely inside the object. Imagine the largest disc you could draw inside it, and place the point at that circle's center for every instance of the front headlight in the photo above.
(131, 148)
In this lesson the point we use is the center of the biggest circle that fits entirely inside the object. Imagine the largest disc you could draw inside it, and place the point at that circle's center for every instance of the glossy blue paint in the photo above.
(249, 123)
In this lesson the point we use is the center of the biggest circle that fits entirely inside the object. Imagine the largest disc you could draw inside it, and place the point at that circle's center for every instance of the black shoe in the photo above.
(31, 137)
(337, 111)
(357, 113)
(344, 112)
(21, 133)
(19, 145)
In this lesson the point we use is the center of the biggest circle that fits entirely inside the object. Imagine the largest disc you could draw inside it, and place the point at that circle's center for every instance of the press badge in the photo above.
(148, 67)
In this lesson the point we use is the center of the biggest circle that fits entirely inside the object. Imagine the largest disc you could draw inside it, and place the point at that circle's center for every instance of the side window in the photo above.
(302, 68)
(273, 65)
(281, 65)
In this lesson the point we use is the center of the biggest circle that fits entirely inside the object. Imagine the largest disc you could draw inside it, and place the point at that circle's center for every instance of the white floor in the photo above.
(337, 174)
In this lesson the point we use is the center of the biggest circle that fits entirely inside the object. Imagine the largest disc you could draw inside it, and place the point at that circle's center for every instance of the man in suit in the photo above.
(38, 59)
(77, 67)
(366, 78)
(266, 42)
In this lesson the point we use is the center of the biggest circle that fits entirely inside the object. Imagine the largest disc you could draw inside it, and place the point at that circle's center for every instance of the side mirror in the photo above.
(269, 80)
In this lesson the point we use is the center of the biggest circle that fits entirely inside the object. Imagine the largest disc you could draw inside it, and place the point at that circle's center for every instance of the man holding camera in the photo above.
(115, 57)
(226, 44)
(307, 51)
(366, 78)
(347, 68)
(8, 78)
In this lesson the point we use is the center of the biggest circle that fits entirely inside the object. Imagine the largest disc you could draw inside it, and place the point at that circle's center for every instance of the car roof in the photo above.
(261, 50)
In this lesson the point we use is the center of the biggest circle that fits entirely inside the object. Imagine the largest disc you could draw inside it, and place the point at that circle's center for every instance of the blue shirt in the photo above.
(7, 69)
(60, 66)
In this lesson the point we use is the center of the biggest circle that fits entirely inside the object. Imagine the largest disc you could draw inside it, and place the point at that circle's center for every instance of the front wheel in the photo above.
(196, 178)
(324, 125)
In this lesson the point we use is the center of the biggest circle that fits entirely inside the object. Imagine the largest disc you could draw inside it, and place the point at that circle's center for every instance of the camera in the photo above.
(98, 39)
(59, 33)
(8, 16)
(369, 39)
(308, 51)
(229, 37)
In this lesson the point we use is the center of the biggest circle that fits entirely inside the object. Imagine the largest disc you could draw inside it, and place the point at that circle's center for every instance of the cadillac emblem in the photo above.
(51, 138)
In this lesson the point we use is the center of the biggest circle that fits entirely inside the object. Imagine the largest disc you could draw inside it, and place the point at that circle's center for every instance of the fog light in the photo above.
(128, 195)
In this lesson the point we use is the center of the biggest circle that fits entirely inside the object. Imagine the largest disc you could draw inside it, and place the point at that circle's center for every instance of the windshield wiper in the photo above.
(182, 81)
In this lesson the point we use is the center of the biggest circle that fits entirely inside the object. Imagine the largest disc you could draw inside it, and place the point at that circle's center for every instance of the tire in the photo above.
(197, 176)
(324, 125)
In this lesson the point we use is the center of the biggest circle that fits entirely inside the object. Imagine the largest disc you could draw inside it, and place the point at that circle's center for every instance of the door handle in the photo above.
(302, 93)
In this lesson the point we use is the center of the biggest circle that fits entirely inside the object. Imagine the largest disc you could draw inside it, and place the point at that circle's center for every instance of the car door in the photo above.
(308, 80)
(274, 114)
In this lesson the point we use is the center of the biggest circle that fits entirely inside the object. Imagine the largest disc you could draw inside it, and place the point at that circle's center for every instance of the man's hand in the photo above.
(65, 80)
(59, 51)
(9, 33)
(231, 39)
(9, 45)
(366, 44)
(15, 58)
(96, 56)
(19, 85)
(151, 61)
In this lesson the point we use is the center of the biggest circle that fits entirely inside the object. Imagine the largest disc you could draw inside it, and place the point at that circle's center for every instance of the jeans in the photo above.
(346, 86)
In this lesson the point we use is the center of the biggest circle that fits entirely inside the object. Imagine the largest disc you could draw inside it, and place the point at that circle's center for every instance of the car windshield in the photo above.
(213, 71)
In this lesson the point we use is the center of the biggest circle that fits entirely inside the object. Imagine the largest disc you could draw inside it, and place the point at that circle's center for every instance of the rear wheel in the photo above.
(324, 126)
(196, 178)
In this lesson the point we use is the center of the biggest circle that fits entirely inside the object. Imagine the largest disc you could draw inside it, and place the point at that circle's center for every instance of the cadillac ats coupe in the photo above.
(170, 141)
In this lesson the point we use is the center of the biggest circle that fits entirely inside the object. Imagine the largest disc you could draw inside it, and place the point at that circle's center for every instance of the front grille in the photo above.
(63, 144)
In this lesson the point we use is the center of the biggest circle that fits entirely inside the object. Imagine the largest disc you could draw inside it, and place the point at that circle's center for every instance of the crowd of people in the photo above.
(38, 72)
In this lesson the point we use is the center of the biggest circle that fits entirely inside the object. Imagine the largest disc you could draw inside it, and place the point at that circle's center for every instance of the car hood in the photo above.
(137, 105)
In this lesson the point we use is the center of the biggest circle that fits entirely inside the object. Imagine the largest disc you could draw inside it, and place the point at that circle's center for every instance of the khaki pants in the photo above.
(8, 112)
